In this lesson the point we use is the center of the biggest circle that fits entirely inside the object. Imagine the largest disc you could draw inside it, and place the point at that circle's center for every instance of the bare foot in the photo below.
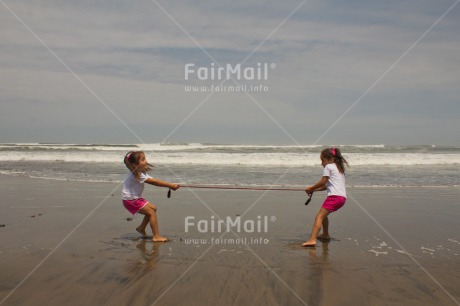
(142, 232)
(309, 244)
(160, 239)
(323, 237)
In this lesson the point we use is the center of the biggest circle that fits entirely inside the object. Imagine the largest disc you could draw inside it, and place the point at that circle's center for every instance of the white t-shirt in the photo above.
(336, 183)
(133, 187)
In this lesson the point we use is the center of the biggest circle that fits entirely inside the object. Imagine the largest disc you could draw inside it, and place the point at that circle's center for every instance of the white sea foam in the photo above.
(165, 146)
(286, 159)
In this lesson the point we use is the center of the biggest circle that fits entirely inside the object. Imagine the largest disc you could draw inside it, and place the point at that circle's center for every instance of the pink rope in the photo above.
(240, 188)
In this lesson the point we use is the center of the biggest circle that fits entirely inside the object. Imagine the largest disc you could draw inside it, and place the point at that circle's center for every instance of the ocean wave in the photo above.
(164, 146)
(230, 148)
(66, 147)
(281, 159)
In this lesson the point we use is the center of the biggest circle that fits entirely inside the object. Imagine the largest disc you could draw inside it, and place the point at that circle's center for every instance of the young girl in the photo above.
(334, 181)
(133, 187)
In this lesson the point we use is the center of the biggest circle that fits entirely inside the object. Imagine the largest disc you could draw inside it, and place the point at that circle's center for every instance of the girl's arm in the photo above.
(321, 188)
(321, 185)
(161, 183)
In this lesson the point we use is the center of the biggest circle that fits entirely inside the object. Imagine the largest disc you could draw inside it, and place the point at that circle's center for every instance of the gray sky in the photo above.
(127, 60)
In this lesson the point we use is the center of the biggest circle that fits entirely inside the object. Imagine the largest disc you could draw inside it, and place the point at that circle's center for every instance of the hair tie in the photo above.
(128, 155)
(334, 151)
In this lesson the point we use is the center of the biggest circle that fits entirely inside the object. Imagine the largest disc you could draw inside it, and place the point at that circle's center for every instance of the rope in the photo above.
(241, 188)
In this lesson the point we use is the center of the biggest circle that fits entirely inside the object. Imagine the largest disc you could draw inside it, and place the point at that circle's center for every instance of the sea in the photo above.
(236, 165)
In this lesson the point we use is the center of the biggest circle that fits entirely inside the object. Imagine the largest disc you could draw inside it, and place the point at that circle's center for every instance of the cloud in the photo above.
(133, 56)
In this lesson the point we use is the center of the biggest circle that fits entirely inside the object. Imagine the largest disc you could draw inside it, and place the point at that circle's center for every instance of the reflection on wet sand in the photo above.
(144, 273)
(145, 262)
(149, 254)
(320, 271)
(323, 258)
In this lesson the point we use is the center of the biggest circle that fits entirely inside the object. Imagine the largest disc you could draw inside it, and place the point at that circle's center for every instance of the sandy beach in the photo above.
(73, 243)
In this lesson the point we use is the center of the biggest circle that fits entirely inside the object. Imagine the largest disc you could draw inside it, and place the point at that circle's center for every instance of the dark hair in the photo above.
(131, 161)
(336, 156)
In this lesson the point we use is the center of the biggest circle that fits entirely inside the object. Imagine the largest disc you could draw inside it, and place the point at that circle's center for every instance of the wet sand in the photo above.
(71, 243)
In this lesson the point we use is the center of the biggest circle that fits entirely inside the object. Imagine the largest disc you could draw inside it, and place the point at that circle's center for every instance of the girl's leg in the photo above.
(141, 228)
(149, 211)
(322, 214)
(325, 234)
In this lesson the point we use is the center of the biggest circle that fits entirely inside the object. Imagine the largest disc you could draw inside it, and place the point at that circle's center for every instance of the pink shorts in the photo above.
(334, 202)
(133, 206)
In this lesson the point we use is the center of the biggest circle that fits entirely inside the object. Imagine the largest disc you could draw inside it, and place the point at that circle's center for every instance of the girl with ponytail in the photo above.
(133, 186)
(333, 181)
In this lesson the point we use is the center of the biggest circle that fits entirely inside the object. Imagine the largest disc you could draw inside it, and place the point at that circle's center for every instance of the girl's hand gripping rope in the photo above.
(173, 187)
